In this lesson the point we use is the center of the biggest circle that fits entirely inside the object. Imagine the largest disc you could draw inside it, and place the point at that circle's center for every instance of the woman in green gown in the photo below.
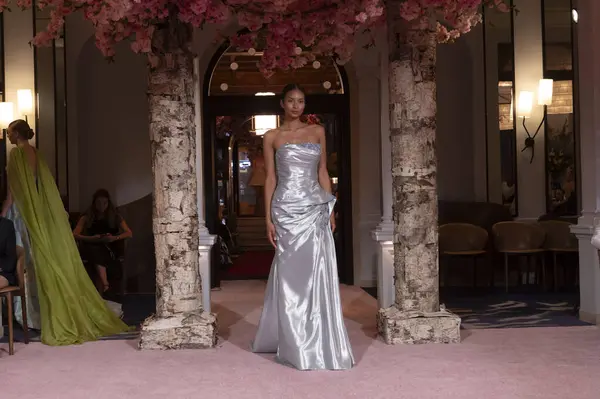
(70, 309)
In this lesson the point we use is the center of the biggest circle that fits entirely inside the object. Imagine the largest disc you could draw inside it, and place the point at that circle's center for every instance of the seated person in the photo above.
(8, 253)
(97, 231)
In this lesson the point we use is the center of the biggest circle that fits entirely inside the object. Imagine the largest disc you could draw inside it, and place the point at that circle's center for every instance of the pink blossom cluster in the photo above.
(290, 32)
(452, 18)
(291, 36)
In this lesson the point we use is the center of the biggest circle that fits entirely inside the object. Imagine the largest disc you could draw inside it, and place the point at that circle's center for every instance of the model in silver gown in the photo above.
(302, 317)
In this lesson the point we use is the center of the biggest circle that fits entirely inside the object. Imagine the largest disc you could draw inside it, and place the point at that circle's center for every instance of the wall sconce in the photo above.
(6, 114)
(525, 106)
(25, 102)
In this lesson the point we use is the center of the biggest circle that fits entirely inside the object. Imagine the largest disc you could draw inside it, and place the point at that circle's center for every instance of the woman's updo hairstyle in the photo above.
(291, 87)
(22, 128)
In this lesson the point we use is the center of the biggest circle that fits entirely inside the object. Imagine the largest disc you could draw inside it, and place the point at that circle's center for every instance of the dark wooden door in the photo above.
(332, 113)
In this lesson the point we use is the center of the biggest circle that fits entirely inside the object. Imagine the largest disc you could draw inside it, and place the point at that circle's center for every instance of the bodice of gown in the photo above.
(297, 167)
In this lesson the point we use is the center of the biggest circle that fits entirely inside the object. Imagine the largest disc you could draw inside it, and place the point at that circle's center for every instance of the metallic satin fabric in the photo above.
(302, 317)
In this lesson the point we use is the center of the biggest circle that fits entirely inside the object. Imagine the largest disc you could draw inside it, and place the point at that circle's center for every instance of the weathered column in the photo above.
(416, 316)
(180, 321)
(384, 233)
(588, 66)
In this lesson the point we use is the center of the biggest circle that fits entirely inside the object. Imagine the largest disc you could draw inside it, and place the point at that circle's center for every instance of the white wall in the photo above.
(498, 30)
(78, 32)
(527, 36)
(18, 58)
(365, 123)
(528, 72)
(114, 144)
(455, 127)
(108, 120)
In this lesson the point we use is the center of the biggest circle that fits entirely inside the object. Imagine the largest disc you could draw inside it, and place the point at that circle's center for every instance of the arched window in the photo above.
(236, 74)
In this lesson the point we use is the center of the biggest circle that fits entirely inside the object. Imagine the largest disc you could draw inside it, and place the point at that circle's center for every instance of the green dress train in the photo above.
(71, 310)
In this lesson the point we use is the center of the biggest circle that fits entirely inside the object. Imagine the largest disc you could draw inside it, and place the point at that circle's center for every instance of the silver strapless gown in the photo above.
(302, 317)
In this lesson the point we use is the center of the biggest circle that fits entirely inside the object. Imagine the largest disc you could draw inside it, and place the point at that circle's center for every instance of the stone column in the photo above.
(416, 316)
(384, 233)
(181, 321)
(588, 92)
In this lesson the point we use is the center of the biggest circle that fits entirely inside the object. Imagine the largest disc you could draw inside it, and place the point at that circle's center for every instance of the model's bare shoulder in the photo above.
(318, 130)
(270, 135)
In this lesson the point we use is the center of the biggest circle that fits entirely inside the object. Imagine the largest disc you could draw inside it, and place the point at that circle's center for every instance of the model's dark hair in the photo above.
(291, 87)
(22, 128)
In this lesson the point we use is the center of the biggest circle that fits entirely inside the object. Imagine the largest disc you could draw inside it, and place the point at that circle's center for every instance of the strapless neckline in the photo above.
(307, 144)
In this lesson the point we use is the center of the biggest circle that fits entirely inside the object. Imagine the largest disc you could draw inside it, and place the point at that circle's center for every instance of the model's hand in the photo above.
(105, 238)
(271, 235)
(332, 219)
(112, 238)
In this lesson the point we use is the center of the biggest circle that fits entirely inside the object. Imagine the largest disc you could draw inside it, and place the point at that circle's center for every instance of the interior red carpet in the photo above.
(250, 265)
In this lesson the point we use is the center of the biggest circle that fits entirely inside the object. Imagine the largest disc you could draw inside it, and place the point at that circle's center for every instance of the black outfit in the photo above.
(101, 254)
(8, 251)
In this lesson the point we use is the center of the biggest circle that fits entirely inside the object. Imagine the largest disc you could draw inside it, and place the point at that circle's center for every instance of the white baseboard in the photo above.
(367, 283)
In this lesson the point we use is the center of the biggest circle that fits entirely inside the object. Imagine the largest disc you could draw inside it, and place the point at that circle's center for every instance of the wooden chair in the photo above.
(522, 240)
(559, 241)
(462, 240)
(9, 293)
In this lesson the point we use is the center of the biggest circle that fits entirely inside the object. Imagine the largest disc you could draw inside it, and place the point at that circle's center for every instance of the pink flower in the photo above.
(410, 10)
(322, 27)
(362, 17)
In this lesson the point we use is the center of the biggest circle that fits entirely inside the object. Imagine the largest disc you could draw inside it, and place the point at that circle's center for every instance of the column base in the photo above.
(400, 327)
(384, 235)
(196, 330)
(588, 317)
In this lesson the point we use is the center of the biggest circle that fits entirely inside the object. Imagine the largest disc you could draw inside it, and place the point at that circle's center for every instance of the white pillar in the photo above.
(589, 142)
(366, 191)
(384, 233)
(206, 240)
(528, 72)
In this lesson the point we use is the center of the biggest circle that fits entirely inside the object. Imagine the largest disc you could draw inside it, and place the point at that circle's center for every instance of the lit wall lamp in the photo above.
(25, 103)
(525, 106)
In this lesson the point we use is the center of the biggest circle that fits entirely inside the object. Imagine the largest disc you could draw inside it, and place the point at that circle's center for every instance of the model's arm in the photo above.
(324, 179)
(78, 232)
(270, 182)
(9, 199)
(125, 231)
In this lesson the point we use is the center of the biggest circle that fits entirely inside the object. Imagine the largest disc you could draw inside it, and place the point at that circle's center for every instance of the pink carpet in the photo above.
(546, 363)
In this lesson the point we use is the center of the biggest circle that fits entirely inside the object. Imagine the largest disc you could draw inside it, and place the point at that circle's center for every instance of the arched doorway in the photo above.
(239, 105)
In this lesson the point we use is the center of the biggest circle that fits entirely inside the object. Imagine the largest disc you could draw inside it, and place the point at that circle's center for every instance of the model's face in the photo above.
(101, 204)
(293, 104)
(12, 136)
